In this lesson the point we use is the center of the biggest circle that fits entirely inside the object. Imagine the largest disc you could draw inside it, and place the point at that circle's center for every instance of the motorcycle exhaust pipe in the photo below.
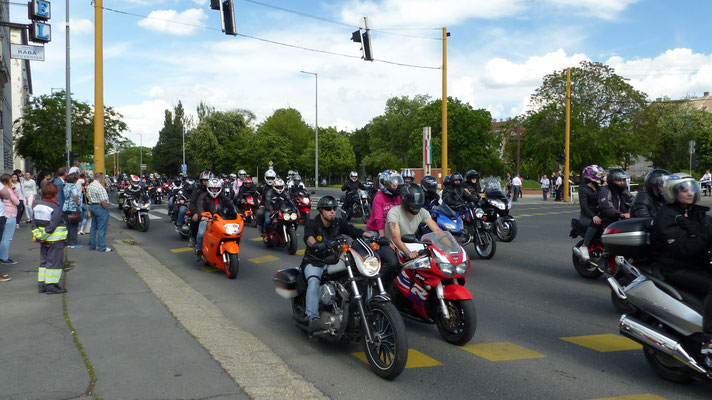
(617, 288)
(644, 334)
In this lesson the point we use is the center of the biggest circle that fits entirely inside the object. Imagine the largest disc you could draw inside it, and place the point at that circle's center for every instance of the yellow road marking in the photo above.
(181, 250)
(257, 239)
(264, 259)
(360, 225)
(604, 343)
(633, 397)
(523, 215)
(416, 359)
(300, 252)
(208, 268)
(501, 351)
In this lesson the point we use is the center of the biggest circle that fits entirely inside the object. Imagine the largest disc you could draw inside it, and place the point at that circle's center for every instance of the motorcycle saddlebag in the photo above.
(285, 282)
(628, 237)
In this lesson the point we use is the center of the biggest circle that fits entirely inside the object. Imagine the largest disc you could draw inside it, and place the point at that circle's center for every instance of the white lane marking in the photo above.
(161, 210)
(116, 217)
(152, 216)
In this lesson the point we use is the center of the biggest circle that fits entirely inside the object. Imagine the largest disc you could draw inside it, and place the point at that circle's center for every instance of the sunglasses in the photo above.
(329, 208)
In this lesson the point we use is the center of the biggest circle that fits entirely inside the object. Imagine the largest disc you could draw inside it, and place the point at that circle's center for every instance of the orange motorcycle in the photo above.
(221, 243)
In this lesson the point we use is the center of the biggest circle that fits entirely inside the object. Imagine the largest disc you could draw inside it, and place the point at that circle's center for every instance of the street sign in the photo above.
(692, 147)
(184, 168)
(27, 52)
(143, 167)
(40, 11)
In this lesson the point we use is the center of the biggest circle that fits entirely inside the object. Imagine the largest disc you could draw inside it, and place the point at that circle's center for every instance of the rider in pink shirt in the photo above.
(387, 198)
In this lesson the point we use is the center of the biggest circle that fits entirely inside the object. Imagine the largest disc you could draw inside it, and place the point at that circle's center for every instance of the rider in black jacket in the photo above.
(615, 199)
(351, 187)
(133, 191)
(455, 195)
(272, 200)
(592, 179)
(649, 199)
(472, 183)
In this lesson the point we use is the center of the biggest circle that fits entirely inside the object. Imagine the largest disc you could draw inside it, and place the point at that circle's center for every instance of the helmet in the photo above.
(393, 179)
(206, 175)
(614, 175)
(134, 181)
(429, 184)
(177, 181)
(408, 175)
(353, 175)
(247, 183)
(593, 173)
(233, 176)
(270, 176)
(382, 176)
(278, 185)
(456, 177)
(297, 178)
(189, 184)
(290, 174)
(653, 180)
(446, 180)
(242, 174)
(223, 176)
(326, 201)
(214, 187)
(412, 198)
(472, 174)
(679, 182)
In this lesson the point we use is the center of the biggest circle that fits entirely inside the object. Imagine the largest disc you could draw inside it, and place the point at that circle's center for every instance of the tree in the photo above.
(40, 133)
(168, 152)
(288, 124)
(221, 141)
(336, 155)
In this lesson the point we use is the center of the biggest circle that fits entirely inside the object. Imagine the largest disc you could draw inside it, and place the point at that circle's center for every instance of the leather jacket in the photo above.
(315, 227)
(681, 241)
(352, 186)
(645, 205)
(456, 197)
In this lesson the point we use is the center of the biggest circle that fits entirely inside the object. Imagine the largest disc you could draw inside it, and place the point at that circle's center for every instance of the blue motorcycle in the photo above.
(447, 219)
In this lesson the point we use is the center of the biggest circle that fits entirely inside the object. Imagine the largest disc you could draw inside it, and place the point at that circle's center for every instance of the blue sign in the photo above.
(184, 168)
(40, 32)
(40, 10)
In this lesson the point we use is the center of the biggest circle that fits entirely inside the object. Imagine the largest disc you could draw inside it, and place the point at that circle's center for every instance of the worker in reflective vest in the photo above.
(49, 230)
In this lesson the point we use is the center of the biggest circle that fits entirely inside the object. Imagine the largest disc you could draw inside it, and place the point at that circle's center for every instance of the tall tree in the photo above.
(168, 152)
(221, 141)
(288, 124)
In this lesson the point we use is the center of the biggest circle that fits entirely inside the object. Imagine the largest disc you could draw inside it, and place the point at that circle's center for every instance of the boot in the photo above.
(41, 287)
(53, 288)
(316, 325)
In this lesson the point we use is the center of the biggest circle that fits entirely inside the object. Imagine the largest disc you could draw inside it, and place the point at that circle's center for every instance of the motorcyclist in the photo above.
(455, 196)
(430, 187)
(247, 189)
(590, 218)
(614, 199)
(212, 200)
(269, 176)
(351, 187)
(272, 201)
(408, 176)
(649, 199)
(681, 239)
(201, 188)
(326, 227)
(388, 197)
(237, 183)
(187, 192)
(176, 185)
(472, 183)
(133, 191)
(296, 184)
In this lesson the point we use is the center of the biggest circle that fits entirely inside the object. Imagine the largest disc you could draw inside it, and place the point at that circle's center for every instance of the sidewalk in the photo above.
(136, 347)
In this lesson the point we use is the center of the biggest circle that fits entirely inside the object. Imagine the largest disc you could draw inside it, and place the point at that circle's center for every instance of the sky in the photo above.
(497, 54)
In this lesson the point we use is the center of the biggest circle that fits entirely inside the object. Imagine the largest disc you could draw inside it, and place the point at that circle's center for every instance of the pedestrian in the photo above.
(552, 185)
(509, 185)
(49, 231)
(4, 194)
(97, 199)
(75, 168)
(706, 183)
(517, 185)
(15, 178)
(30, 187)
(544, 186)
(559, 187)
(521, 187)
(72, 210)
(59, 181)
(82, 185)
(8, 233)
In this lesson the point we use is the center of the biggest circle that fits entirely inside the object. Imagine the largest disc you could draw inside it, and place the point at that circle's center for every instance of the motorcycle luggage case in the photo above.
(285, 282)
(628, 238)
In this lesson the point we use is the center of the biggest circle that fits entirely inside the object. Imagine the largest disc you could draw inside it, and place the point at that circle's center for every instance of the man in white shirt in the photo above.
(559, 187)
(517, 185)
(74, 169)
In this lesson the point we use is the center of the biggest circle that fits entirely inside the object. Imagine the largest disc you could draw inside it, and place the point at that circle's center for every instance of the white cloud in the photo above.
(145, 118)
(604, 9)
(200, 2)
(183, 23)
(500, 72)
(80, 26)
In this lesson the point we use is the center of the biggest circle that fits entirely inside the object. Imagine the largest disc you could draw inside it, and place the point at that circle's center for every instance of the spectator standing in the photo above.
(544, 186)
(48, 229)
(59, 181)
(75, 168)
(706, 183)
(72, 210)
(30, 188)
(4, 194)
(82, 186)
(559, 187)
(552, 185)
(15, 178)
(8, 232)
(517, 185)
(97, 199)
(509, 185)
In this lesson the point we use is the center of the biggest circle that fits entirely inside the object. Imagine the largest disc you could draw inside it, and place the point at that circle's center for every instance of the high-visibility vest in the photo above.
(60, 233)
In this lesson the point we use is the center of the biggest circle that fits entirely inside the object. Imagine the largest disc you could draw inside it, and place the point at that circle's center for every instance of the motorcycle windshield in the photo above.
(288, 207)
(445, 210)
(444, 241)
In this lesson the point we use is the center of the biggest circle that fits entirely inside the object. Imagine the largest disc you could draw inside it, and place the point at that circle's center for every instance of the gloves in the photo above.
(319, 247)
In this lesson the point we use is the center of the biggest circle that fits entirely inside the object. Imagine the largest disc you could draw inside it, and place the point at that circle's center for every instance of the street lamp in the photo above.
(316, 126)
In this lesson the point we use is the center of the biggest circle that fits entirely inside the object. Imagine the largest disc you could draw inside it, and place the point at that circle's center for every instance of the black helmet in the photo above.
(326, 201)
(654, 180)
(189, 184)
(429, 184)
(472, 174)
(446, 180)
(454, 177)
(614, 175)
(412, 198)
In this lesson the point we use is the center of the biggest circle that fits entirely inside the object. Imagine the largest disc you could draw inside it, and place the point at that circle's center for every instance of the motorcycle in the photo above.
(112, 185)
(136, 216)
(431, 287)
(496, 206)
(181, 200)
(360, 206)
(448, 220)
(156, 194)
(282, 231)
(478, 231)
(221, 242)
(303, 202)
(248, 207)
(353, 304)
(598, 260)
(666, 320)
(120, 198)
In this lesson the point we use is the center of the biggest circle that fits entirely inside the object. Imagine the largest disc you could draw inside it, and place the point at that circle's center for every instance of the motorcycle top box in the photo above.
(628, 237)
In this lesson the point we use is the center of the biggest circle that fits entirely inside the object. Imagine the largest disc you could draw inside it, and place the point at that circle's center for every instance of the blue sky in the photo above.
(497, 55)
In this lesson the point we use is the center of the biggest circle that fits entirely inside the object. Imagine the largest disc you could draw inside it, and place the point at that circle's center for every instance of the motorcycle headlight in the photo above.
(420, 263)
(294, 216)
(371, 266)
(306, 200)
(287, 216)
(448, 269)
(159, 190)
(232, 229)
(461, 269)
(364, 196)
(147, 205)
(479, 213)
(449, 226)
(498, 203)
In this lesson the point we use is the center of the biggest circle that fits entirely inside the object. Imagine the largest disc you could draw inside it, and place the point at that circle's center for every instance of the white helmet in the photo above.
(233, 176)
(408, 175)
(353, 175)
(290, 174)
(214, 187)
(270, 176)
(242, 174)
(278, 185)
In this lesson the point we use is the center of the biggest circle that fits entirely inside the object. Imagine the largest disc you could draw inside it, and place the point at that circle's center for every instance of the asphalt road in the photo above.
(528, 299)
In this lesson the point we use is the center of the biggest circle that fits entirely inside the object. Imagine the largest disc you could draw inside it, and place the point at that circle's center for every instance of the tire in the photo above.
(292, 246)
(667, 367)
(487, 249)
(388, 354)
(233, 266)
(365, 213)
(587, 271)
(144, 226)
(253, 220)
(622, 306)
(461, 326)
(507, 231)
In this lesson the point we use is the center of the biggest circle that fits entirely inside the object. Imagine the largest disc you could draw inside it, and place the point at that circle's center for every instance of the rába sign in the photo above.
(25, 52)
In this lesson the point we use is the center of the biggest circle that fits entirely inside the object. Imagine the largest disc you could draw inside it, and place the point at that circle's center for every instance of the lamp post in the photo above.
(316, 125)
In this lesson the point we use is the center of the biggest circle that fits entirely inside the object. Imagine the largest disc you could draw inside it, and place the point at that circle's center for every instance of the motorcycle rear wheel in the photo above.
(388, 353)
(233, 265)
(667, 367)
(460, 327)
(507, 230)
(586, 270)
(485, 244)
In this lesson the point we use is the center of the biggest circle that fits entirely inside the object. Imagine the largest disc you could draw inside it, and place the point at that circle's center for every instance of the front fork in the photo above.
(441, 299)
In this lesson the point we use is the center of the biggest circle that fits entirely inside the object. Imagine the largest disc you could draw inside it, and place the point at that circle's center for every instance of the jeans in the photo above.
(85, 216)
(99, 225)
(313, 275)
(268, 220)
(7, 234)
(181, 215)
(389, 264)
(72, 228)
(170, 203)
(201, 231)
(516, 192)
(543, 192)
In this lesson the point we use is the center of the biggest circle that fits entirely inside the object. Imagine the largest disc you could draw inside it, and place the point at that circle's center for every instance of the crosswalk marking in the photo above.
(160, 210)
(209, 268)
(257, 239)
(633, 397)
(501, 351)
(181, 250)
(604, 343)
(416, 359)
(300, 252)
(264, 259)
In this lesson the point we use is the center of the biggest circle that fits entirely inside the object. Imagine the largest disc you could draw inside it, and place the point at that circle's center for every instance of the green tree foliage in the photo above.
(168, 152)
(287, 124)
(221, 141)
(40, 134)
(336, 155)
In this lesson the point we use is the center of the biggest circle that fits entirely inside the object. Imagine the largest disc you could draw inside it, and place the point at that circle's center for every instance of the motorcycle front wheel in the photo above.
(460, 327)
(365, 213)
(292, 237)
(143, 226)
(388, 353)
(667, 367)
(233, 265)
(485, 245)
(506, 229)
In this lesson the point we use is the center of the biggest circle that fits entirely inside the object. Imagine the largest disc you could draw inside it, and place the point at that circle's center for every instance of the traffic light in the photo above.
(228, 11)
(365, 39)
(562, 158)
(215, 4)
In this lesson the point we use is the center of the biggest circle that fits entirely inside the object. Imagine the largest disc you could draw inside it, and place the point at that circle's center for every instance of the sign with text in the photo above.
(40, 11)
(27, 52)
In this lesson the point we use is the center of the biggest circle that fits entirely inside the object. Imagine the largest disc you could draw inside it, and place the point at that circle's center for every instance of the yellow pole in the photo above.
(444, 123)
(98, 88)
(568, 134)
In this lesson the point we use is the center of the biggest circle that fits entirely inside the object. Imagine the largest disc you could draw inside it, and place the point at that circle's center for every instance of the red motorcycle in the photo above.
(248, 207)
(282, 231)
(431, 287)
(303, 202)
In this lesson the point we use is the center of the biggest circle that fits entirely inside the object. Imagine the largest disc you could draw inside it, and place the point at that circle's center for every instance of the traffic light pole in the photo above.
(568, 134)
(316, 126)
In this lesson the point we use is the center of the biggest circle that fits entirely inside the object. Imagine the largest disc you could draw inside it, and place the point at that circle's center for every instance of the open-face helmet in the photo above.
(680, 182)
(408, 175)
(472, 174)
(454, 178)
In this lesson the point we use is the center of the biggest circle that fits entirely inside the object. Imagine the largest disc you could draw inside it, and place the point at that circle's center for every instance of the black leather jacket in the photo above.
(474, 188)
(352, 186)
(315, 227)
(456, 197)
(613, 203)
(206, 202)
(273, 200)
(645, 205)
(588, 201)
(681, 241)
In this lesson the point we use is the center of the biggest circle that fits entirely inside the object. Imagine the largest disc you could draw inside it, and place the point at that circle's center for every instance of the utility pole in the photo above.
(316, 126)
(68, 96)
(443, 171)
(98, 87)
(568, 134)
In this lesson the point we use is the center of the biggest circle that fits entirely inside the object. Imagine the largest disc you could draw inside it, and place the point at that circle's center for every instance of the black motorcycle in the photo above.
(360, 206)
(478, 231)
(120, 198)
(496, 206)
(353, 304)
(282, 231)
(136, 212)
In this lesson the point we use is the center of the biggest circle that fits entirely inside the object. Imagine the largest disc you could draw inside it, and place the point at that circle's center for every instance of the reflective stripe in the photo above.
(41, 274)
(60, 233)
(53, 275)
